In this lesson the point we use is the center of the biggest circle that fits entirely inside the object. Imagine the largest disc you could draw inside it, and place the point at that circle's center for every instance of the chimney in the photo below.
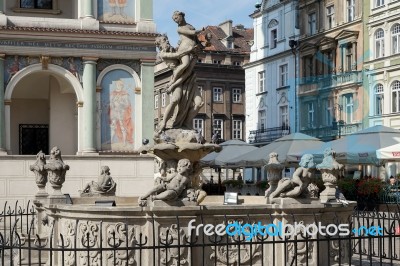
(227, 27)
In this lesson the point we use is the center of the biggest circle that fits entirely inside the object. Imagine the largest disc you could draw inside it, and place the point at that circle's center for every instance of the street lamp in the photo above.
(337, 125)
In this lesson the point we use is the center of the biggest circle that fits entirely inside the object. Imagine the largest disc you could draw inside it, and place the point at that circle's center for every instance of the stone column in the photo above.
(341, 69)
(89, 105)
(147, 77)
(87, 8)
(3, 149)
(354, 59)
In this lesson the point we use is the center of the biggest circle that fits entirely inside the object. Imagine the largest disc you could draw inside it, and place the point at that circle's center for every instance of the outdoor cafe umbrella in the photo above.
(230, 149)
(374, 145)
(289, 148)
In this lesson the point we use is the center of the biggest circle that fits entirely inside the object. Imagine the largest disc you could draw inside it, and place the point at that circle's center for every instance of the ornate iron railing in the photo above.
(265, 136)
(85, 242)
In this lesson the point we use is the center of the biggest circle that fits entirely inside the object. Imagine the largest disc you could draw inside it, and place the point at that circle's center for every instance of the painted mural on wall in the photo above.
(116, 11)
(15, 63)
(117, 111)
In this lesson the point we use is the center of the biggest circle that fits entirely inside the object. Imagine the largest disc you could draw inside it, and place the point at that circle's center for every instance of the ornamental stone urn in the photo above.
(330, 169)
(38, 168)
(56, 169)
(274, 173)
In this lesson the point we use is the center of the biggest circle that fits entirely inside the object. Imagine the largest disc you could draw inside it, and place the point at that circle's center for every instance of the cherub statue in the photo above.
(299, 182)
(171, 189)
(105, 185)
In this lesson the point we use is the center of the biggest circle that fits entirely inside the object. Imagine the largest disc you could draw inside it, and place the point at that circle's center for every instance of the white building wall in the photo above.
(264, 57)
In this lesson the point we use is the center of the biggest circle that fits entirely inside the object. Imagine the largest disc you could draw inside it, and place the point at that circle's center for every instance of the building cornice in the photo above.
(267, 59)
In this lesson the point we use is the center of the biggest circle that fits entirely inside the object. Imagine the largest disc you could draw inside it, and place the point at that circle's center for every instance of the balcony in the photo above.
(266, 136)
(310, 84)
(327, 133)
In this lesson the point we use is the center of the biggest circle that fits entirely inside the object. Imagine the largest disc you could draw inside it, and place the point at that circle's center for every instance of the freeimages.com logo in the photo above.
(249, 231)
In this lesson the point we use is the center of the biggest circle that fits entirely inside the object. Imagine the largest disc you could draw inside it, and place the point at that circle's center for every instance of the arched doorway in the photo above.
(42, 110)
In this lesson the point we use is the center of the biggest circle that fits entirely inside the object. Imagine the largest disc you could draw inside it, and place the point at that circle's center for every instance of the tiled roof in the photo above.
(101, 32)
(241, 38)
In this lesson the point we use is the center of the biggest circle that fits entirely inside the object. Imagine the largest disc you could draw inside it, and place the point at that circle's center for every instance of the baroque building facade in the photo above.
(77, 75)
(382, 63)
(221, 80)
(271, 73)
(331, 56)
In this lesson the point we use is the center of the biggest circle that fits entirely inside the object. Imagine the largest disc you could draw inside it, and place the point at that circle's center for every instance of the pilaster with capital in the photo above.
(87, 8)
(147, 77)
(89, 107)
(3, 149)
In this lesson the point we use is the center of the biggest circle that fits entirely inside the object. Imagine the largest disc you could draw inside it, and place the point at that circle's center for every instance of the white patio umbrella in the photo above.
(290, 148)
(230, 149)
(374, 145)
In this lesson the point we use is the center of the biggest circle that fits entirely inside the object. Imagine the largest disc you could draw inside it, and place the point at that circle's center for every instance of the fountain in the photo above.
(155, 229)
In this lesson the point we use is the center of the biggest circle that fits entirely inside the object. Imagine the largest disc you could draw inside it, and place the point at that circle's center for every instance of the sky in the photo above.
(201, 13)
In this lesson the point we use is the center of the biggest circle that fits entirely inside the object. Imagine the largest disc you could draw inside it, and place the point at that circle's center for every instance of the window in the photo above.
(310, 120)
(163, 99)
(308, 67)
(349, 57)
(262, 120)
(349, 108)
(328, 111)
(351, 8)
(283, 75)
(237, 129)
(39, 4)
(215, 61)
(395, 96)
(312, 23)
(218, 128)
(198, 124)
(396, 39)
(274, 38)
(379, 43)
(330, 17)
(217, 94)
(237, 63)
(199, 60)
(261, 81)
(156, 102)
(284, 117)
(378, 99)
(379, 3)
(236, 95)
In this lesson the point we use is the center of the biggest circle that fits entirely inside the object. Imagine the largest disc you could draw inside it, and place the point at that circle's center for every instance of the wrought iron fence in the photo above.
(84, 242)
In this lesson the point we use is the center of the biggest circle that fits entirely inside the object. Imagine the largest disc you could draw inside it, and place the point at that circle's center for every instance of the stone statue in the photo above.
(56, 170)
(38, 168)
(105, 185)
(299, 182)
(330, 169)
(274, 173)
(185, 99)
(170, 188)
(176, 143)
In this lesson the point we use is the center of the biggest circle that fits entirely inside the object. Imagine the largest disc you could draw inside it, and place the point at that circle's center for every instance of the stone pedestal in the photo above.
(330, 181)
